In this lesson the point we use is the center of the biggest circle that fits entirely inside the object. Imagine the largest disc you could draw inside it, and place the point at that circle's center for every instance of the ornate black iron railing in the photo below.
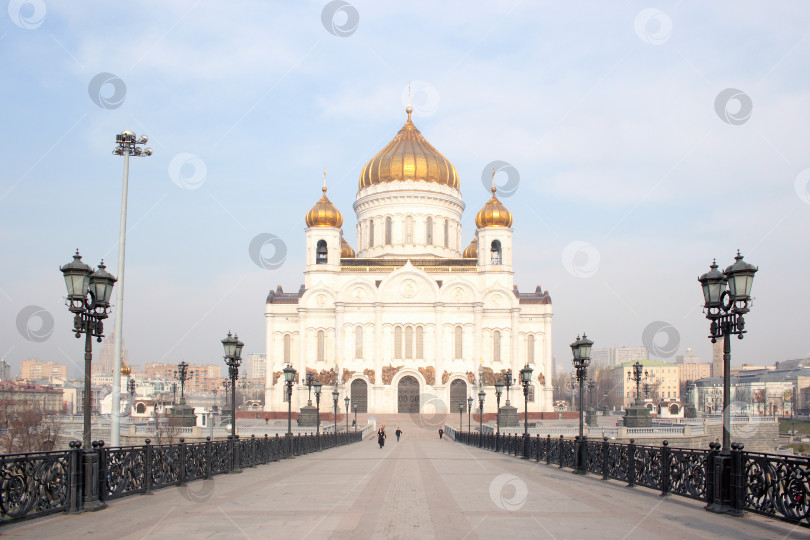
(732, 482)
(41, 483)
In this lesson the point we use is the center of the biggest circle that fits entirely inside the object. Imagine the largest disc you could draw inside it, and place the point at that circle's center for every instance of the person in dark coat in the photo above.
(441, 432)
(381, 436)
(398, 433)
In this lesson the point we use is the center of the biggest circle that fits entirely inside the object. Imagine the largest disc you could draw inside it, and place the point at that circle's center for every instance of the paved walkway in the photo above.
(420, 487)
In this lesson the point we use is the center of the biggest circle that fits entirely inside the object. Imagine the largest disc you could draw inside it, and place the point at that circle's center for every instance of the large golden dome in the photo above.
(324, 214)
(409, 157)
(493, 214)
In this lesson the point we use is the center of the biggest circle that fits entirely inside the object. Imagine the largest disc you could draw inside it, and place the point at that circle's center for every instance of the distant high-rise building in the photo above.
(105, 363)
(623, 355)
(601, 358)
(687, 358)
(5, 371)
(255, 366)
(34, 369)
(717, 358)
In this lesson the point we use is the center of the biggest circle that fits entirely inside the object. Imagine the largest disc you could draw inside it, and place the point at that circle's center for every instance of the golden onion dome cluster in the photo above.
(324, 214)
(493, 214)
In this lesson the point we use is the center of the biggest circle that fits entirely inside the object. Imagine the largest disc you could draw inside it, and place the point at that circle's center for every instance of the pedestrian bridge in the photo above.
(420, 487)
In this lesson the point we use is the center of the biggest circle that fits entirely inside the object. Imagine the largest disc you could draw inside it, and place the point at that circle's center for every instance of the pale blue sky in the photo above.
(606, 110)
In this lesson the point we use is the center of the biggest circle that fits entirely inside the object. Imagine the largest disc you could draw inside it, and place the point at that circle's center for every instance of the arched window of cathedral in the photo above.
(446, 233)
(388, 231)
(141, 409)
(358, 342)
(321, 352)
(496, 346)
(429, 231)
(409, 230)
(496, 252)
(419, 343)
(287, 348)
(320, 252)
(530, 349)
(371, 233)
(408, 342)
(398, 342)
(459, 336)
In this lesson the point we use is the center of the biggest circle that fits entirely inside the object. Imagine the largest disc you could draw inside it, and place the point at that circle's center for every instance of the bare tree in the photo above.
(167, 428)
(27, 429)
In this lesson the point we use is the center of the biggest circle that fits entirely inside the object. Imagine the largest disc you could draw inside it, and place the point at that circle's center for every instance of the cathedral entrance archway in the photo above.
(458, 395)
(359, 396)
(408, 395)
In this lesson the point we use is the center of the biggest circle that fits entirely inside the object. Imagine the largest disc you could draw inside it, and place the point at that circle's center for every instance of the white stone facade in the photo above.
(408, 316)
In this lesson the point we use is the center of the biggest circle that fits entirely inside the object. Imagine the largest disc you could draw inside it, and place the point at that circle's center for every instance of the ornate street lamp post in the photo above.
(88, 298)
(181, 374)
(460, 418)
(127, 144)
(582, 358)
(335, 396)
(131, 388)
(289, 379)
(233, 358)
(498, 390)
(725, 308)
(508, 383)
(481, 396)
(317, 386)
(469, 414)
(638, 374)
(526, 380)
(346, 401)
(355, 417)
(727, 297)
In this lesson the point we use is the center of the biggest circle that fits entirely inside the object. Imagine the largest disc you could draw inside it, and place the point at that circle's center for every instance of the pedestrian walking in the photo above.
(381, 436)
(441, 432)
(398, 433)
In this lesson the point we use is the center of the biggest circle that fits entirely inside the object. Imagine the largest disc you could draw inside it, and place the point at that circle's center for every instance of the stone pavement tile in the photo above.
(420, 487)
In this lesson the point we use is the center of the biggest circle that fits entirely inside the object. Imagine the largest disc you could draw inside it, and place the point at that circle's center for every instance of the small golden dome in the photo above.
(472, 250)
(409, 157)
(346, 251)
(324, 214)
(125, 369)
(493, 214)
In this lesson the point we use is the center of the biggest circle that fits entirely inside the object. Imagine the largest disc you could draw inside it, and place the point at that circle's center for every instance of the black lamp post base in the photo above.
(308, 416)
(508, 416)
(590, 417)
(637, 416)
(183, 415)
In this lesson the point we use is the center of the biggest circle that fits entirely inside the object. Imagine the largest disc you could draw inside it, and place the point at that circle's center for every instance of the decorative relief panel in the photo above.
(408, 288)
(347, 375)
(370, 374)
(321, 299)
(458, 294)
(358, 294)
(276, 376)
(471, 377)
(429, 373)
(445, 377)
(541, 378)
(388, 373)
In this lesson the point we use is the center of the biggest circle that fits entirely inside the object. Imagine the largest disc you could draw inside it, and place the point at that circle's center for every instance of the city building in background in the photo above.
(5, 371)
(34, 370)
(19, 396)
(662, 383)
(105, 364)
(255, 366)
